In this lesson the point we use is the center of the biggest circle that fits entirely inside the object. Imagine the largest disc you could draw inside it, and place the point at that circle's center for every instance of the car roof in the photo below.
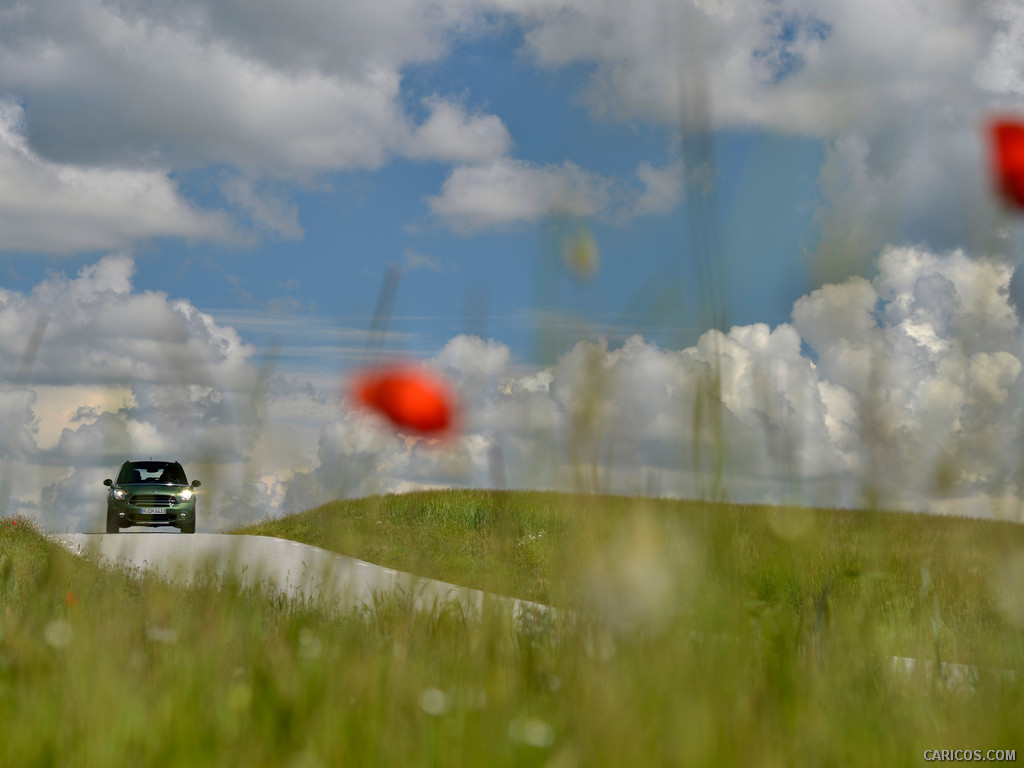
(151, 465)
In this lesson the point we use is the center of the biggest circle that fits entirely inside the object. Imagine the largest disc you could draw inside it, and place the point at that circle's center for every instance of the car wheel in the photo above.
(112, 526)
(189, 527)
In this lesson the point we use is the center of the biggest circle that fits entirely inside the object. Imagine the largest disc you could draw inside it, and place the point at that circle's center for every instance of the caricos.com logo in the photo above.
(963, 755)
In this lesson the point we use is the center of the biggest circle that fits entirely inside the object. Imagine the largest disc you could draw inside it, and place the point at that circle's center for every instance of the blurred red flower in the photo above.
(409, 397)
(70, 599)
(1008, 160)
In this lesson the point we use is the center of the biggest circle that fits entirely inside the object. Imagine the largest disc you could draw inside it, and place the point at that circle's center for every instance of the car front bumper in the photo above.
(176, 514)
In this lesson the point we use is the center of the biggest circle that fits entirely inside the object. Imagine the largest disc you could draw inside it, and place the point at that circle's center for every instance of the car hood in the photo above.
(136, 488)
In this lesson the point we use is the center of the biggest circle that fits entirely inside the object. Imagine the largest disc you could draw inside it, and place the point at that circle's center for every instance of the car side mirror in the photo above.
(108, 481)
(196, 483)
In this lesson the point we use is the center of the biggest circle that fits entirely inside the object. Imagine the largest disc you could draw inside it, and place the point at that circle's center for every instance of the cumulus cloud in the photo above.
(898, 91)
(120, 94)
(46, 206)
(452, 135)
(100, 330)
(281, 89)
(290, 91)
(17, 421)
(508, 191)
(792, 66)
(924, 183)
(1001, 71)
(109, 83)
(902, 391)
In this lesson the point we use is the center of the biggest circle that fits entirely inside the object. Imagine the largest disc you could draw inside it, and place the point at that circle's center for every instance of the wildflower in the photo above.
(409, 397)
(532, 731)
(434, 702)
(1008, 160)
(70, 599)
(58, 634)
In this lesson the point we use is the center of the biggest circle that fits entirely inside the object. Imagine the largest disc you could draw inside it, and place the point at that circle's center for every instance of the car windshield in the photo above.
(152, 472)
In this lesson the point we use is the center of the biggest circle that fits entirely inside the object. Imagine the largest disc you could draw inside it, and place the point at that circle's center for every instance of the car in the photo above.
(151, 493)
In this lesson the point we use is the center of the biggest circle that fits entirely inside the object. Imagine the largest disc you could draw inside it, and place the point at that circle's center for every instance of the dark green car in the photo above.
(151, 493)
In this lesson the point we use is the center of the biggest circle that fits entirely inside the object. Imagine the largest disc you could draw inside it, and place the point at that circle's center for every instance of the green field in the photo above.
(706, 635)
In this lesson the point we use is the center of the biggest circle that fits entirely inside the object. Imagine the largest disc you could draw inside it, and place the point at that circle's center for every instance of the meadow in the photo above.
(693, 634)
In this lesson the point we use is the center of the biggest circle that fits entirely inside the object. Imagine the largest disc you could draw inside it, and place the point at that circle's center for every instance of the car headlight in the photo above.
(120, 494)
(185, 495)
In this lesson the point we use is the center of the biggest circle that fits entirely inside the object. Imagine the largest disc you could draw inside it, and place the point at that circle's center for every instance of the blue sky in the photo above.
(251, 174)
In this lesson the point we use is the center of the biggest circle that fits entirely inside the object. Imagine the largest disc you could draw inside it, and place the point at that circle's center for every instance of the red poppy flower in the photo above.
(70, 599)
(1008, 160)
(409, 397)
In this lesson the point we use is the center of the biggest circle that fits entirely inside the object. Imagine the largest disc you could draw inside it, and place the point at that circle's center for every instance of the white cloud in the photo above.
(506, 191)
(46, 206)
(17, 421)
(98, 330)
(922, 182)
(62, 406)
(909, 399)
(838, 323)
(793, 65)
(291, 91)
(333, 37)
(1002, 69)
(110, 83)
(898, 90)
(449, 134)
(662, 189)
(119, 95)
(476, 367)
(285, 89)
(911, 396)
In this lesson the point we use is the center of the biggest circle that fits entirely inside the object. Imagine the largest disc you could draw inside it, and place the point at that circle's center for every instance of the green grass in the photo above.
(904, 573)
(730, 635)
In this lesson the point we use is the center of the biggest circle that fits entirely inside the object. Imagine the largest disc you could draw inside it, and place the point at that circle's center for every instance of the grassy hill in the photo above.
(929, 584)
(716, 635)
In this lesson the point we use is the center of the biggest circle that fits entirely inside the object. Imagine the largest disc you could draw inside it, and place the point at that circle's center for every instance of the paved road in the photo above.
(288, 567)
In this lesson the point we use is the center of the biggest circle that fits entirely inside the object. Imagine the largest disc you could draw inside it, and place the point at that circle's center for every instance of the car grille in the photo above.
(151, 500)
